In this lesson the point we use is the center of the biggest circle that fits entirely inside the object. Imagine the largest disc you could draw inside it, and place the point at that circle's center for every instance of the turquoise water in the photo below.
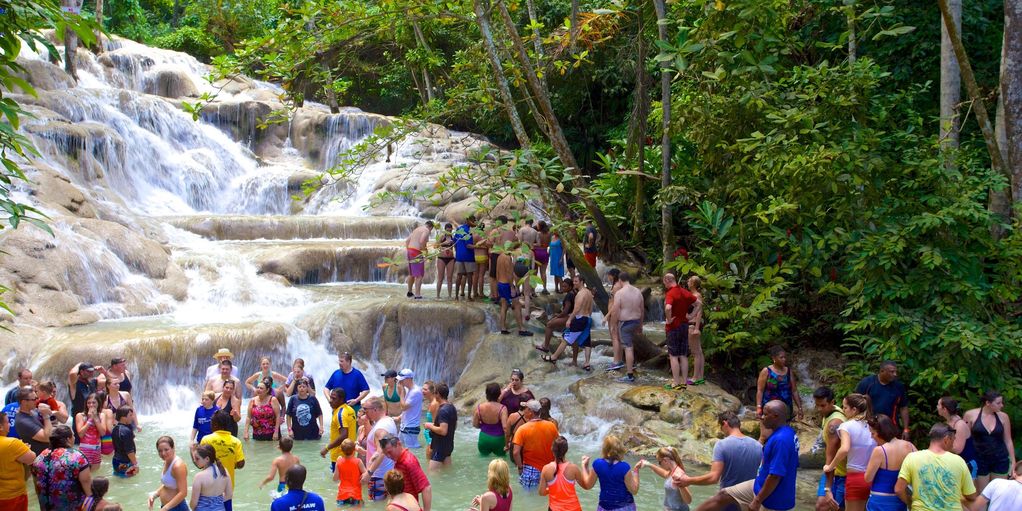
(453, 488)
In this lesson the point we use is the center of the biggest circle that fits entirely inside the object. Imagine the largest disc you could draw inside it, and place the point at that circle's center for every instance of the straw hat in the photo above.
(223, 352)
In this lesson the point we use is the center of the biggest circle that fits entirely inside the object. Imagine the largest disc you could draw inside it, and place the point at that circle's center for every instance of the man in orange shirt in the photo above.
(533, 445)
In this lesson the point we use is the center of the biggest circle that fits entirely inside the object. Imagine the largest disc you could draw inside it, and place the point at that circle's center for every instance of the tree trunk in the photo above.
(574, 29)
(667, 224)
(483, 20)
(537, 37)
(965, 67)
(70, 43)
(99, 22)
(328, 91)
(950, 87)
(176, 19)
(610, 233)
(1011, 92)
(636, 149)
(852, 43)
(421, 41)
(418, 84)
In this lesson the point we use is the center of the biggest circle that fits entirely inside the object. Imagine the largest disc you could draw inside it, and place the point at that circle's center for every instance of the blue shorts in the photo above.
(281, 486)
(349, 503)
(410, 437)
(837, 490)
(121, 467)
(529, 478)
(376, 489)
(504, 291)
(885, 503)
(182, 506)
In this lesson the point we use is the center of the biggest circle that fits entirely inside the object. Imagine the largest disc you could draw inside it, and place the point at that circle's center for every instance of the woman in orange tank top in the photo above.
(557, 480)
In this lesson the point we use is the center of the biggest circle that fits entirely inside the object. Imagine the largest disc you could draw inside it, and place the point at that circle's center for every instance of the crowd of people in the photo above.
(371, 441)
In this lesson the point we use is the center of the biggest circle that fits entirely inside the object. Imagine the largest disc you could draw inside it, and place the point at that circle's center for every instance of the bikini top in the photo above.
(392, 398)
(168, 477)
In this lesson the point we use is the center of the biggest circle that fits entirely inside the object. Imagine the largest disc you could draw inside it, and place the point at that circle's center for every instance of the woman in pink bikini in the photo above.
(91, 428)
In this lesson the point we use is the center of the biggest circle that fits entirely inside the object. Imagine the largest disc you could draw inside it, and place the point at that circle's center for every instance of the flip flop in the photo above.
(505, 332)
(548, 358)
(540, 348)
(525, 333)
(587, 368)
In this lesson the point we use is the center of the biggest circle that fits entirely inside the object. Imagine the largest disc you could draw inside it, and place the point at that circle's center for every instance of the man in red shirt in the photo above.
(405, 462)
(676, 307)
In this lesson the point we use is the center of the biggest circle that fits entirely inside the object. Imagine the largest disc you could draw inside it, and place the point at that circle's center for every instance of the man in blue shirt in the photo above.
(464, 258)
(888, 395)
(297, 499)
(350, 379)
(774, 486)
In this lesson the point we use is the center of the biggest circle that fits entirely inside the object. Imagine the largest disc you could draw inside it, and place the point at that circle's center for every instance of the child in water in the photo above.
(351, 474)
(668, 465)
(280, 464)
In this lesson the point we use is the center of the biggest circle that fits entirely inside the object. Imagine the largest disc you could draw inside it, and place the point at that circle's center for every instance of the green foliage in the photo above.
(192, 40)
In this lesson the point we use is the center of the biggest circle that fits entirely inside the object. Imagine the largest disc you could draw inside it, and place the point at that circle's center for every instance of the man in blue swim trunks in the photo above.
(579, 325)
(508, 294)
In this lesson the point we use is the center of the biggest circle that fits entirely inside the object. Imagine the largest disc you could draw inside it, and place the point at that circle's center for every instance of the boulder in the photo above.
(170, 82)
(42, 75)
(648, 398)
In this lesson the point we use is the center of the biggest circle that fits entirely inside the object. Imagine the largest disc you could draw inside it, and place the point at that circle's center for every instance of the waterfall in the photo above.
(183, 236)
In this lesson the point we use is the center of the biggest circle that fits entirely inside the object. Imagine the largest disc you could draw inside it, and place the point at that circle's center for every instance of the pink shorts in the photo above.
(92, 453)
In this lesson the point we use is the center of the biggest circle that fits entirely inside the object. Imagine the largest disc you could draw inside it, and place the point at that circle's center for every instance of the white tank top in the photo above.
(862, 444)
(388, 425)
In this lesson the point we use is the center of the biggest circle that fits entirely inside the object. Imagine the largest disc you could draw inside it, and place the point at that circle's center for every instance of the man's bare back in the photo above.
(418, 238)
(629, 303)
(583, 303)
(505, 269)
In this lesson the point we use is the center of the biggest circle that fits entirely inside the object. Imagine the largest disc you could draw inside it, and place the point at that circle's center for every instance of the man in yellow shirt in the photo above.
(940, 479)
(228, 448)
(14, 457)
(342, 418)
(831, 493)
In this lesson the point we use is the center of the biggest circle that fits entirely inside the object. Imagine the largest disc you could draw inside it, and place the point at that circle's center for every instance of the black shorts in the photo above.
(998, 464)
(493, 265)
(441, 452)
(677, 341)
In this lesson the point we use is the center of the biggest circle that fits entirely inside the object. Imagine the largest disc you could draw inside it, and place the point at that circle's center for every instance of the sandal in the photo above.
(548, 358)
(587, 368)
(505, 332)
(674, 387)
(540, 348)
(525, 333)
(700, 381)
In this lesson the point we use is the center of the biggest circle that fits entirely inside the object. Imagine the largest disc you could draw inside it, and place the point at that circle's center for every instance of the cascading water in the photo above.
(187, 233)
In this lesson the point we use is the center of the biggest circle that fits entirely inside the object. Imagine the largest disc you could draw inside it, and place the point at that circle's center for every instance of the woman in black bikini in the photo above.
(445, 261)
(991, 434)
(231, 404)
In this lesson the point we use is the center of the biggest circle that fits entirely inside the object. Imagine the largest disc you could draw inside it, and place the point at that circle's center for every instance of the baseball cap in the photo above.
(85, 367)
(405, 374)
(533, 405)
(389, 374)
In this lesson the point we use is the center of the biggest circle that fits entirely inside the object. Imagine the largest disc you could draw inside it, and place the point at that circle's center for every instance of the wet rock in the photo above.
(42, 75)
(648, 398)
(170, 83)
(250, 122)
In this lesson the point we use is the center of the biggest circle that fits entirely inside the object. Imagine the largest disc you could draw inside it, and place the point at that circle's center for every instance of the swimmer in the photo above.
(579, 326)
(415, 249)
(350, 474)
(508, 295)
(281, 463)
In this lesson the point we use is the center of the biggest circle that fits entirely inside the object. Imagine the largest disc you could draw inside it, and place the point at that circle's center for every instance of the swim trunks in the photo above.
(541, 254)
(677, 341)
(464, 267)
(529, 477)
(505, 292)
(416, 262)
(628, 330)
(578, 331)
